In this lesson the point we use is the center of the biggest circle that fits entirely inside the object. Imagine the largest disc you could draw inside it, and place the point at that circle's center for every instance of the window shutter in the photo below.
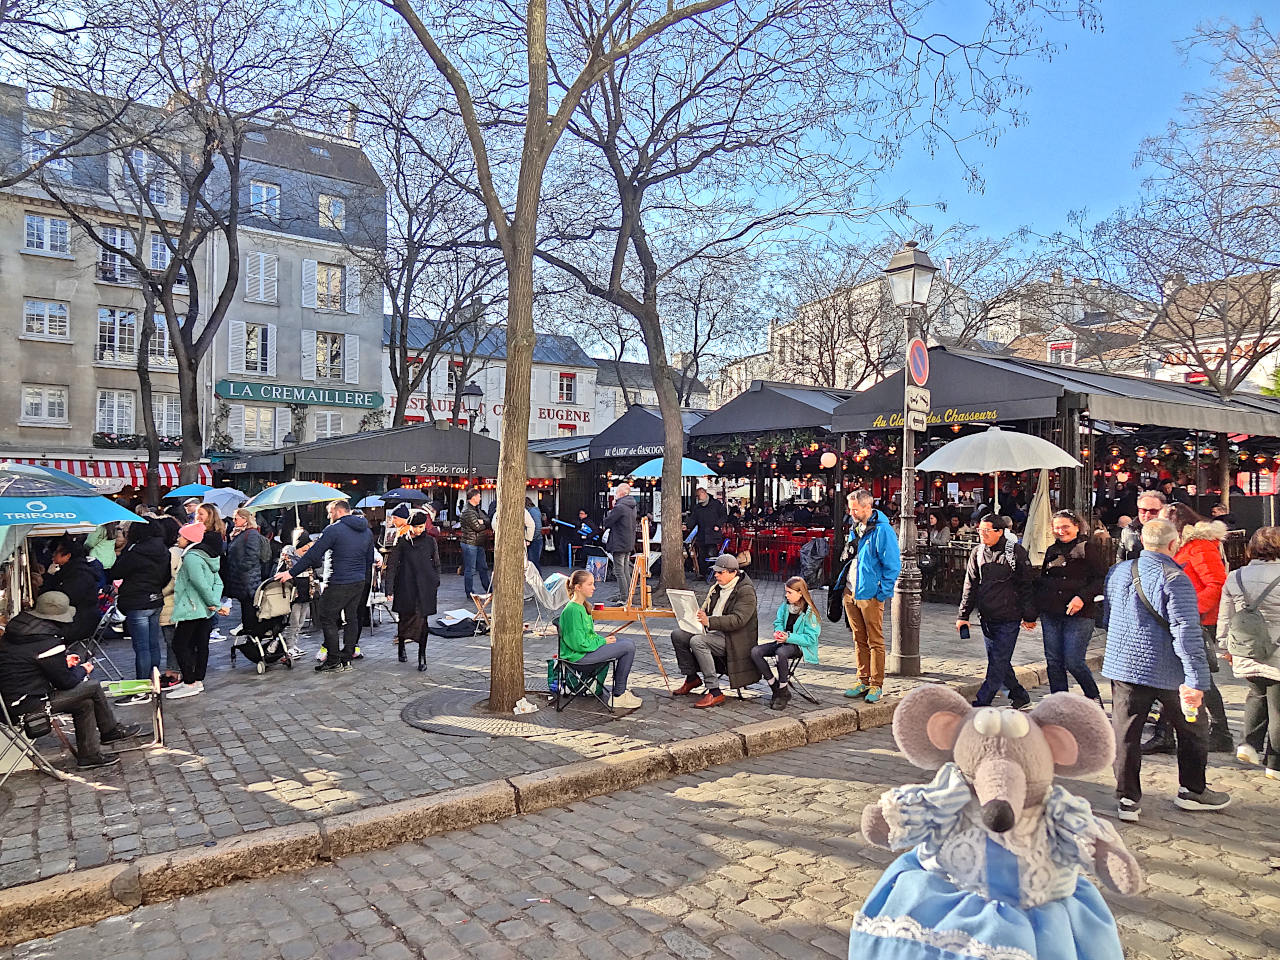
(284, 424)
(308, 354)
(253, 276)
(351, 276)
(235, 347)
(308, 283)
(271, 349)
(351, 358)
(270, 272)
(235, 425)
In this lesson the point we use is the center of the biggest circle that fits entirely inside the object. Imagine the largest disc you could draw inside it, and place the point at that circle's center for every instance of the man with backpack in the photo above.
(1155, 651)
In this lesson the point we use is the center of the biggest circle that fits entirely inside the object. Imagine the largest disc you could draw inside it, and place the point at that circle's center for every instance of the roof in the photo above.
(766, 405)
(639, 433)
(293, 149)
(637, 376)
(968, 387)
(572, 446)
(551, 348)
(1093, 344)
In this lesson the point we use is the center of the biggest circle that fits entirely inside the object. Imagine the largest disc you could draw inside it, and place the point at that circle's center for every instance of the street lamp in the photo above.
(472, 398)
(910, 274)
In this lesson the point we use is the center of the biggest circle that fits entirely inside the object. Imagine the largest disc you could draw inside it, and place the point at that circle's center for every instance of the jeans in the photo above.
(170, 658)
(144, 631)
(785, 652)
(473, 561)
(1000, 639)
(1262, 719)
(534, 550)
(1066, 640)
(191, 644)
(696, 655)
(1130, 704)
(622, 570)
(339, 599)
(621, 653)
(90, 713)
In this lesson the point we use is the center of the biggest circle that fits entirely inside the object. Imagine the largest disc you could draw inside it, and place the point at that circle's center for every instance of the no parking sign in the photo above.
(918, 362)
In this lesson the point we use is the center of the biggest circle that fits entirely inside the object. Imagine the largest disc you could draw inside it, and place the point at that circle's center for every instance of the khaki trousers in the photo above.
(866, 618)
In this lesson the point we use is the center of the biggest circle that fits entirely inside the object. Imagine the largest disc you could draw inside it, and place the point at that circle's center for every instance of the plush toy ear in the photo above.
(1078, 733)
(927, 722)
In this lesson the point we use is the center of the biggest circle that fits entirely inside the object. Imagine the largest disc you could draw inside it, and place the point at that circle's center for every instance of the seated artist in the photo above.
(731, 629)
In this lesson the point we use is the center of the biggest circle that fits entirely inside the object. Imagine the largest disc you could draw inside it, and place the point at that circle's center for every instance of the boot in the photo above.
(781, 698)
(773, 690)
(1220, 739)
(422, 658)
(1161, 741)
(400, 651)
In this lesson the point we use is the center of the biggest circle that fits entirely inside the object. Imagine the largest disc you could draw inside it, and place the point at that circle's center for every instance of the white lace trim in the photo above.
(955, 941)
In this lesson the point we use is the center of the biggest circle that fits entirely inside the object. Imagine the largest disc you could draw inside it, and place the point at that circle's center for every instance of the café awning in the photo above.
(413, 450)
(766, 405)
(638, 433)
(978, 388)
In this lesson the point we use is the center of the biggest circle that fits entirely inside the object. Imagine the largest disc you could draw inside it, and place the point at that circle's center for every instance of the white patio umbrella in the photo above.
(1038, 533)
(997, 451)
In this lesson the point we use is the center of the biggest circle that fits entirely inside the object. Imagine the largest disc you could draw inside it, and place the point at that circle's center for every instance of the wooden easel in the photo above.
(629, 612)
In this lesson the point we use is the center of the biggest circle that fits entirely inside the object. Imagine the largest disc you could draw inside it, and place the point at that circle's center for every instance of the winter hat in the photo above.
(418, 518)
(401, 512)
(192, 532)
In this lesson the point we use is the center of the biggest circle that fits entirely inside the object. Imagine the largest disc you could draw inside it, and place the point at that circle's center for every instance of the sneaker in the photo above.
(216, 637)
(1018, 704)
(101, 760)
(859, 690)
(325, 665)
(627, 701)
(1246, 754)
(1207, 800)
(873, 695)
(168, 683)
(346, 666)
(135, 700)
(357, 655)
(186, 690)
(123, 732)
(1128, 810)
(1273, 774)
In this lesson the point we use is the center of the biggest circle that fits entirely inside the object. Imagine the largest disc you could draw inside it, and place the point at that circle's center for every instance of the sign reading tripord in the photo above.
(889, 421)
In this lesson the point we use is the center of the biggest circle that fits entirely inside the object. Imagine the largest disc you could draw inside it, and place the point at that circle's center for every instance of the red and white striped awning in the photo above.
(132, 472)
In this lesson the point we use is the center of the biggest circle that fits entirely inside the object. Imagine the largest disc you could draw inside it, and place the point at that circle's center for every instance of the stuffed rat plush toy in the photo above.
(996, 849)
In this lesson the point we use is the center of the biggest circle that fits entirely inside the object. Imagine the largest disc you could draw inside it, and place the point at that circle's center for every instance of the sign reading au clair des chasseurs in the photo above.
(285, 393)
(950, 415)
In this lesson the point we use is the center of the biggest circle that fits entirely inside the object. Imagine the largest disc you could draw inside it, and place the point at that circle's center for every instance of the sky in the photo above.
(1088, 110)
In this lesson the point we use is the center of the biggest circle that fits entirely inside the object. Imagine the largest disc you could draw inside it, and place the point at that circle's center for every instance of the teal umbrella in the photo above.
(688, 468)
(294, 493)
(188, 490)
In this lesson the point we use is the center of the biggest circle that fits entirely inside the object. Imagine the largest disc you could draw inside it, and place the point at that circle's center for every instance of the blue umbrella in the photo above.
(27, 480)
(373, 500)
(188, 490)
(688, 468)
(62, 511)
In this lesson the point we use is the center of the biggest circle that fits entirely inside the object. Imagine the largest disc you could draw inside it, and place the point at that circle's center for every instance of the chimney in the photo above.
(1056, 276)
(349, 131)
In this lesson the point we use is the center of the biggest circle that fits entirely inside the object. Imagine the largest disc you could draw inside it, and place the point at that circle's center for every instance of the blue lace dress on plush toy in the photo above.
(965, 892)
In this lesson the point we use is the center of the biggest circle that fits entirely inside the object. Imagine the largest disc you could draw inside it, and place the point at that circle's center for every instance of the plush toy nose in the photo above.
(997, 815)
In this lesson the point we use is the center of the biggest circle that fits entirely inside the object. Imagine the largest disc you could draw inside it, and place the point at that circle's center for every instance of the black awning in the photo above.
(638, 433)
(963, 390)
(767, 406)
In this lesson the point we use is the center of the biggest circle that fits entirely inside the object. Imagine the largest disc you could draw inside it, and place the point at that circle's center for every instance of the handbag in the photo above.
(1211, 654)
(744, 558)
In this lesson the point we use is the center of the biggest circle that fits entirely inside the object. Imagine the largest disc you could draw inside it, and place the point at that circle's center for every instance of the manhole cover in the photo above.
(462, 713)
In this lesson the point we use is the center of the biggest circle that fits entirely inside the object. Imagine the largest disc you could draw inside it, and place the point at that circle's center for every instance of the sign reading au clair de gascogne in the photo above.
(284, 393)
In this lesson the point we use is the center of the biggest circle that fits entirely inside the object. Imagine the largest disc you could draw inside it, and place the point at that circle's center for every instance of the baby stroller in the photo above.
(265, 646)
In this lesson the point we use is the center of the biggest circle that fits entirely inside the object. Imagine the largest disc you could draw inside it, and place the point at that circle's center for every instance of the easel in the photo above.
(629, 613)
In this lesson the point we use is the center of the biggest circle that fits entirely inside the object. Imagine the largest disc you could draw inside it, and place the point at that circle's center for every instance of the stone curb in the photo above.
(83, 897)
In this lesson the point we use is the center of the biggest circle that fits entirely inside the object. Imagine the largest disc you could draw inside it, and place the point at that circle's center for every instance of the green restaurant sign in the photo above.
(284, 393)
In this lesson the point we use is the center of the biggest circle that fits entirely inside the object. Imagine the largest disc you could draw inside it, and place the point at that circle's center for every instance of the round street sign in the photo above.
(918, 361)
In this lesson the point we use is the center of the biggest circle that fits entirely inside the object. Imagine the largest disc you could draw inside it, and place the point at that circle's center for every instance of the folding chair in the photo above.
(147, 688)
(92, 644)
(21, 722)
(549, 596)
(795, 683)
(567, 682)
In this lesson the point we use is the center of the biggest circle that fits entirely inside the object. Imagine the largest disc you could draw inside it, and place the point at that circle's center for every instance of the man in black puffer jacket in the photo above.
(998, 582)
(34, 663)
(81, 579)
(143, 568)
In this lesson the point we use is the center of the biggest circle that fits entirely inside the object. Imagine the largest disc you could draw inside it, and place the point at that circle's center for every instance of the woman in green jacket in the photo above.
(197, 594)
(583, 647)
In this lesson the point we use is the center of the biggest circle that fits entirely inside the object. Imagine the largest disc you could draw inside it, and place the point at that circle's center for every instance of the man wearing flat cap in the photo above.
(730, 630)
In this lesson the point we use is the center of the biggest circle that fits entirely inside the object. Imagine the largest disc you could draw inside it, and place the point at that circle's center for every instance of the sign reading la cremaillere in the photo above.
(284, 393)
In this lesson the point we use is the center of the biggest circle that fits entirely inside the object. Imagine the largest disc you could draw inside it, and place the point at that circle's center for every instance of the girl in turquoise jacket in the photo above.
(583, 647)
(795, 633)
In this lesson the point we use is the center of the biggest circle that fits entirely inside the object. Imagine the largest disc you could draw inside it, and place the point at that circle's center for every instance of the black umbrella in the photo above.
(404, 495)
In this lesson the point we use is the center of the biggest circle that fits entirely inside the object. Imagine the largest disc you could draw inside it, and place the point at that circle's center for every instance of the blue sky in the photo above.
(1088, 109)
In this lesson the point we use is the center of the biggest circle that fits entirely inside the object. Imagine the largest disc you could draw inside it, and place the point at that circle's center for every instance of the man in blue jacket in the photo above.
(872, 564)
(350, 541)
(1155, 651)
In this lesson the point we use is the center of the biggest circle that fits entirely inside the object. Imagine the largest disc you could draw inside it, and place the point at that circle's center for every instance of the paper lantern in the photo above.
(828, 460)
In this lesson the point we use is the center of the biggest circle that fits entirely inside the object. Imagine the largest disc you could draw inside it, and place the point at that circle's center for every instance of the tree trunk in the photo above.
(192, 439)
(402, 402)
(1224, 468)
(151, 493)
(506, 663)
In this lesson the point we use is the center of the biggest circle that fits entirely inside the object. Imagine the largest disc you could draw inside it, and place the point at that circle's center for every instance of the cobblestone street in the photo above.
(761, 858)
(258, 751)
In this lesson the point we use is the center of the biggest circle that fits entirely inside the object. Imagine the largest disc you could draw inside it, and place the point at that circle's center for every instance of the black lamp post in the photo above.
(910, 274)
(472, 398)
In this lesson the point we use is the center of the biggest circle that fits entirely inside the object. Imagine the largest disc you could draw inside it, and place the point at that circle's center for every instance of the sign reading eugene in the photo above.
(950, 415)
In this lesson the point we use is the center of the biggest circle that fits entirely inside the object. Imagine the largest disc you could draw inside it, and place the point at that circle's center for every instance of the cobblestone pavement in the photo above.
(756, 859)
(257, 751)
